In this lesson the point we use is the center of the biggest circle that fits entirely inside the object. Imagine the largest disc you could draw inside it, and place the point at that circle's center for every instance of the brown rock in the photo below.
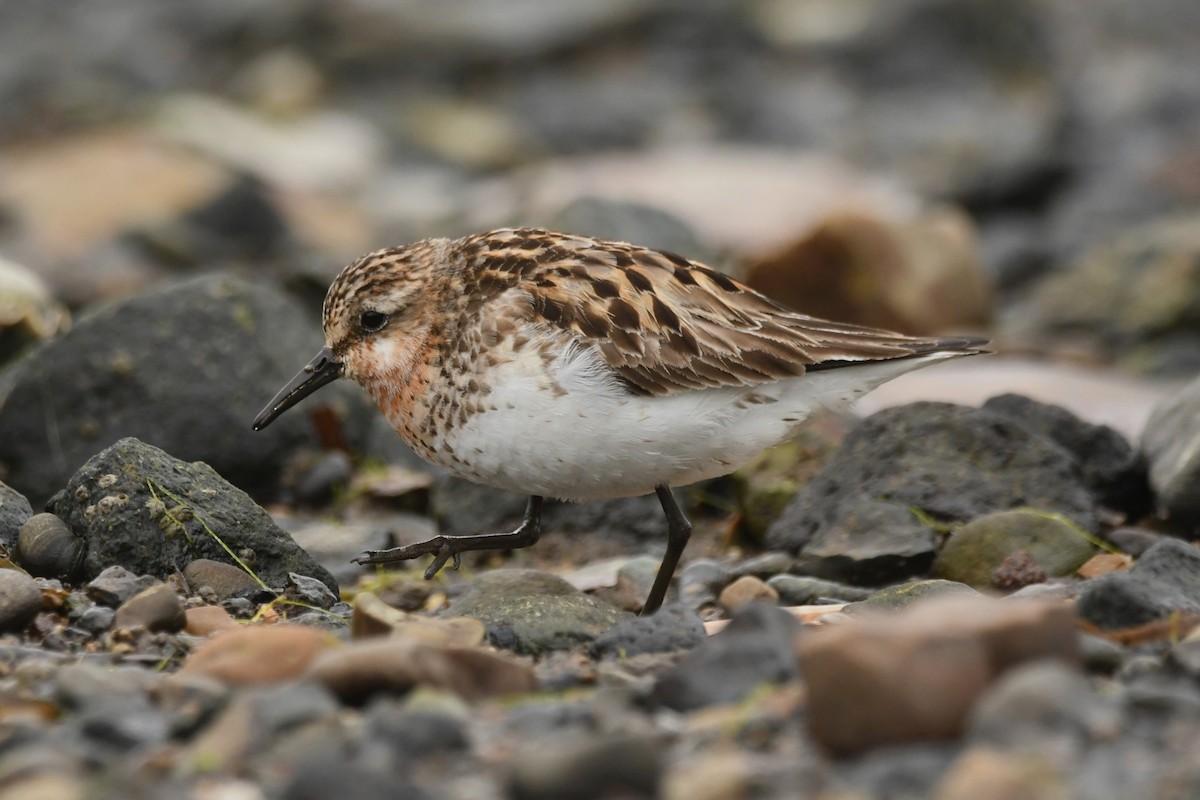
(224, 579)
(155, 609)
(1104, 563)
(919, 276)
(898, 678)
(207, 620)
(364, 668)
(373, 617)
(746, 589)
(259, 654)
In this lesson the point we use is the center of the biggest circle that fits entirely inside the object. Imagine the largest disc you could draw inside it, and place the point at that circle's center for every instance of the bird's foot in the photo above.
(442, 548)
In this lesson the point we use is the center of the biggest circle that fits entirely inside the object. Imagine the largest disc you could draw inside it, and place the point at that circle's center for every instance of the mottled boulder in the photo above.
(140, 508)
(14, 510)
(873, 512)
(185, 368)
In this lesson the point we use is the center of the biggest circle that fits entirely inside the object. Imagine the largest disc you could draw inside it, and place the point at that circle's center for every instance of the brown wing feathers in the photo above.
(665, 324)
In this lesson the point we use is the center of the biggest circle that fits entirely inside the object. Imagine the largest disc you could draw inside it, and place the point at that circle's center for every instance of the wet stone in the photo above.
(672, 627)
(115, 585)
(20, 600)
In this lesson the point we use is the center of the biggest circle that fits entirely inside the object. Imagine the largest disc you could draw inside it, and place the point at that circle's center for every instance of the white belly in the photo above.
(592, 440)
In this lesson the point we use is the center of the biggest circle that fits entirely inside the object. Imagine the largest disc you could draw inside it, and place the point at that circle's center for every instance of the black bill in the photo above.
(321, 370)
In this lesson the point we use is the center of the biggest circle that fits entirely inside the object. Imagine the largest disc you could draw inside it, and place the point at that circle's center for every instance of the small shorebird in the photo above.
(580, 369)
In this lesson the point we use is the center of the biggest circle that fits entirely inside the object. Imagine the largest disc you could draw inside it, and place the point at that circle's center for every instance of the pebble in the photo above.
(207, 620)
(805, 590)
(258, 654)
(917, 674)
(226, 580)
(532, 612)
(115, 585)
(363, 668)
(20, 600)
(976, 552)
(746, 589)
(155, 609)
(309, 590)
(96, 619)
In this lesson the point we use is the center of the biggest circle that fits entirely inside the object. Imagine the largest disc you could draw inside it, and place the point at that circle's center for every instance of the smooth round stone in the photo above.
(155, 609)
(226, 580)
(20, 600)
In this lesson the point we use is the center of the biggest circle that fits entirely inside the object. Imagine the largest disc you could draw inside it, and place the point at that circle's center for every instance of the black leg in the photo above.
(679, 530)
(443, 548)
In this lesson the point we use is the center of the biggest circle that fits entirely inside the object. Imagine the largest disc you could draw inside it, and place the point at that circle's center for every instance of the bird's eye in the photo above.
(372, 321)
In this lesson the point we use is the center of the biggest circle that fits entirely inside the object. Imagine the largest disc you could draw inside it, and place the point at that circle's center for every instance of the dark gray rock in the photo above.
(96, 619)
(533, 612)
(185, 368)
(20, 600)
(1040, 702)
(700, 581)
(622, 221)
(754, 648)
(140, 508)
(672, 627)
(320, 779)
(1132, 297)
(764, 565)
(407, 736)
(866, 517)
(1116, 473)
(1165, 580)
(14, 510)
(803, 590)
(309, 591)
(114, 585)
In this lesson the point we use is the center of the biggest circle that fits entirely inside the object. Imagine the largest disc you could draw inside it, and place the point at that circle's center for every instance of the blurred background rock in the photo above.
(1024, 166)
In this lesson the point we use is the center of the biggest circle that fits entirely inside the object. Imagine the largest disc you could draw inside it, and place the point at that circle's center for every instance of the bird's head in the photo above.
(377, 315)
